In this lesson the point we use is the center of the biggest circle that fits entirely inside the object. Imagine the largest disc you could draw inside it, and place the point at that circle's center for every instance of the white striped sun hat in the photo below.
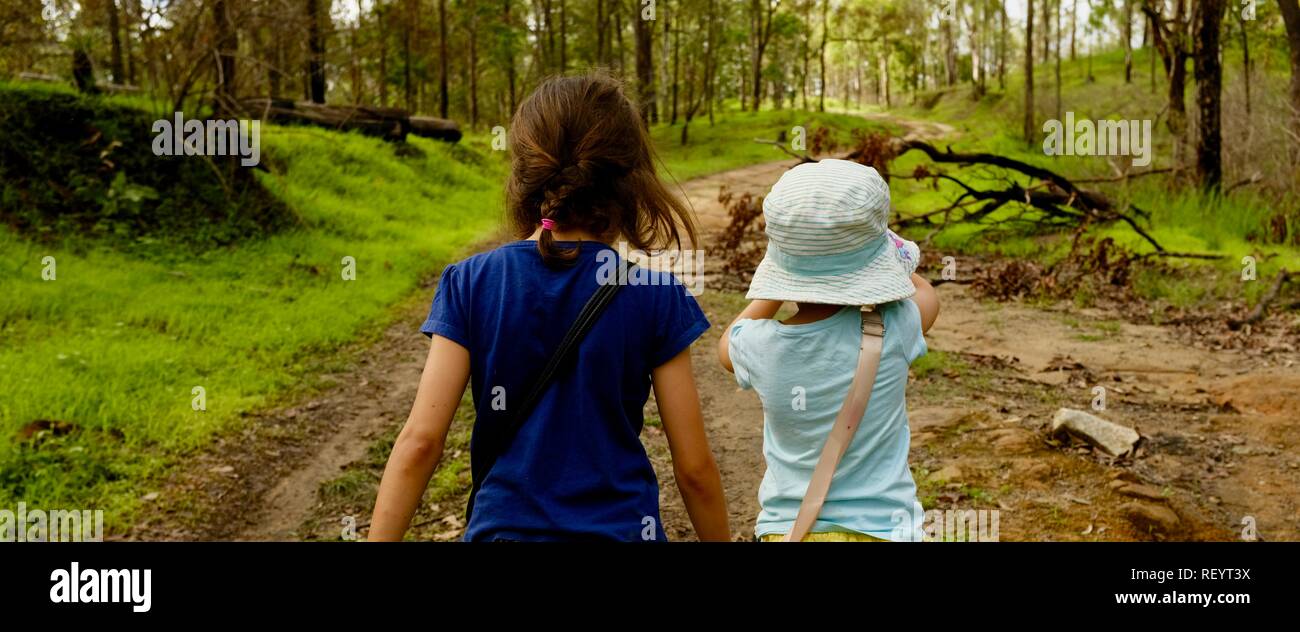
(829, 240)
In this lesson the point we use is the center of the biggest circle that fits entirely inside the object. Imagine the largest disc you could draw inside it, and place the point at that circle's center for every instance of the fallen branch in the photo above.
(803, 158)
(1262, 306)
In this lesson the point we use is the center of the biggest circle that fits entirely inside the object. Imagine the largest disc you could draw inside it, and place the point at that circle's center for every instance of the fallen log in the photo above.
(431, 127)
(387, 123)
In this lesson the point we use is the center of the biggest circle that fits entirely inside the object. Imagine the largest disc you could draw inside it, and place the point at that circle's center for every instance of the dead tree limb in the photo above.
(1262, 306)
(803, 158)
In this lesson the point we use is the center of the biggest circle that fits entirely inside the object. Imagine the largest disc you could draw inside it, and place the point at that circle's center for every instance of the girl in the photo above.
(830, 252)
(582, 176)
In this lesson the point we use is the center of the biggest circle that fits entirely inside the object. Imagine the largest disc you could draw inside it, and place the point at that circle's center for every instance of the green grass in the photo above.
(729, 143)
(116, 344)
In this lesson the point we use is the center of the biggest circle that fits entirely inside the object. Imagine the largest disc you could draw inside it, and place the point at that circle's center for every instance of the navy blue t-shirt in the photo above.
(576, 469)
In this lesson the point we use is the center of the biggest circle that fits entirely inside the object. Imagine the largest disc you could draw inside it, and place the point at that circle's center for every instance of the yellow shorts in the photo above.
(827, 536)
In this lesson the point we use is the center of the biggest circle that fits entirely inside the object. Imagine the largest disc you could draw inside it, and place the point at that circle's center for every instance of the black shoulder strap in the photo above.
(496, 443)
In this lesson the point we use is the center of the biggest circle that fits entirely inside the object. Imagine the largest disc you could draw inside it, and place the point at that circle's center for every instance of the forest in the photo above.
(1106, 193)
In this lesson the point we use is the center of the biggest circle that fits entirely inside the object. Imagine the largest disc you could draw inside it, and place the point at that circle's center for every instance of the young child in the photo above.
(582, 176)
(830, 251)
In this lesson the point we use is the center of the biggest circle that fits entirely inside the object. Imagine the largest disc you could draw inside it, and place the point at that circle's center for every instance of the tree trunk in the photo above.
(1245, 60)
(1031, 133)
(1127, 33)
(677, 68)
(442, 53)
(762, 32)
(1291, 16)
(473, 64)
(1074, 28)
(1209, 84)
(383, 60)
(408, 86)
(949, 53)
(1059, 37)
(115, 39)
(645, 70)
(510, 59)
(821, 59)
(602, 34)
(1002, 45)
(316, 52)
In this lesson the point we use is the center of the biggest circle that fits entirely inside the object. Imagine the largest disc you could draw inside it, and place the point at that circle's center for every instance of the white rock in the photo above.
(1112, 438)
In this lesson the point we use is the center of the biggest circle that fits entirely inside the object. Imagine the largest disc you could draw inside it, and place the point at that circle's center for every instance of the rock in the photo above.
(947, 473)
(1150, 518)
(1110, 437)
(1140, 491)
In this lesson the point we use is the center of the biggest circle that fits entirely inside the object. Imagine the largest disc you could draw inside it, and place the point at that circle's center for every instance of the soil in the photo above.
(1218, 457)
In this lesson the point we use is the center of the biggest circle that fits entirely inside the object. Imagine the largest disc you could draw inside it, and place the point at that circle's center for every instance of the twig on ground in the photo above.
(1262, 306)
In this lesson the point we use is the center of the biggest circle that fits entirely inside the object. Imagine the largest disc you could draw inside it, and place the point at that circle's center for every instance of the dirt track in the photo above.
(1219, 427)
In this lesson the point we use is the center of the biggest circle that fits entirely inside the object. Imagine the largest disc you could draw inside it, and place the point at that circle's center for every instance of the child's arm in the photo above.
(693, 466)
(927, 300)
(756, 310)
(419, 446)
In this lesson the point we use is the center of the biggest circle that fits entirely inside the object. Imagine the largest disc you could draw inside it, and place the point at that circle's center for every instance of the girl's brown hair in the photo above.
(580, 156)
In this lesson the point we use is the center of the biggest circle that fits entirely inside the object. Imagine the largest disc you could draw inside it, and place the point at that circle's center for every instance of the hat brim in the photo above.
(885, 279)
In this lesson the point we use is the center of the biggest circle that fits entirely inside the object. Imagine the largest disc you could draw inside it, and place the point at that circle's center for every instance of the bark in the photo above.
(761, 20)
(1209, 85)
(645, 72)
(473, 64)
(1291, 17)
(115, 40)
(821, 58)
(316, 52)
(1245, 60)
(1002, 46)
(442, 53)
(1031, 133)
(1127, 33)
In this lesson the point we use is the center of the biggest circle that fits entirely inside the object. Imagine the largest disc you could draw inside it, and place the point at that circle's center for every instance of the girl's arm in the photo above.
(927, 300)
(757, 310)
(419, 446)
(693, 466)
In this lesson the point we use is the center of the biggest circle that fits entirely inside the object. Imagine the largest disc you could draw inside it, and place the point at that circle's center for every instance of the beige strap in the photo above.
(846, 423)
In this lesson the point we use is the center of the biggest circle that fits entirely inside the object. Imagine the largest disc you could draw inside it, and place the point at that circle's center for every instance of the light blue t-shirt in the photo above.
(802, 375)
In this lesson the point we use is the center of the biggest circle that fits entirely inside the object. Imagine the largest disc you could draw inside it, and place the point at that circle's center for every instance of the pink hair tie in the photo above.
(548, 224)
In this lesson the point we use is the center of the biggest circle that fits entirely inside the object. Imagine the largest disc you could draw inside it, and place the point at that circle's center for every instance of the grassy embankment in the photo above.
(100, 365)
